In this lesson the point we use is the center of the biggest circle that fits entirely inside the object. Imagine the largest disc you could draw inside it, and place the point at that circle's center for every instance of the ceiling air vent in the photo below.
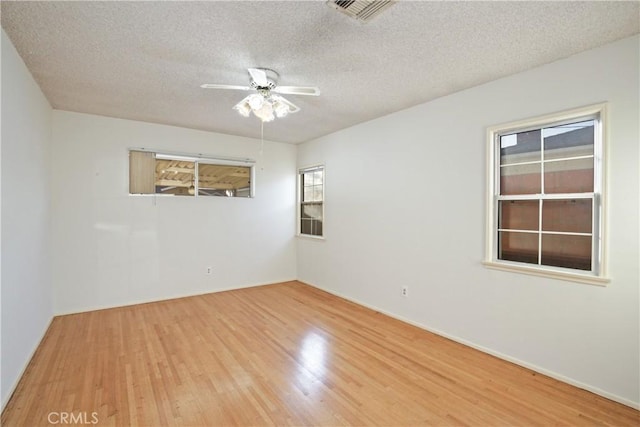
(363, 10)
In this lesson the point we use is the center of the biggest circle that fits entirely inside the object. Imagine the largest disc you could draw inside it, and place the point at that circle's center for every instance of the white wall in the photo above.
(112, 249)
(26, 269)
(405, 205)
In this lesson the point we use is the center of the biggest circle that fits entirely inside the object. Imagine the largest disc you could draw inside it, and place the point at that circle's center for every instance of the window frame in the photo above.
(197, 159)
(299, 201)
(598, 274)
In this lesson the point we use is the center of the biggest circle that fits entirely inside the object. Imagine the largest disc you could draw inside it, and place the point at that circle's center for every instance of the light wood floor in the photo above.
(285, 354)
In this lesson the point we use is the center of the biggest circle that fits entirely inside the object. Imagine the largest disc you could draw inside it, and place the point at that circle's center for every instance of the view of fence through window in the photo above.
(546, 199)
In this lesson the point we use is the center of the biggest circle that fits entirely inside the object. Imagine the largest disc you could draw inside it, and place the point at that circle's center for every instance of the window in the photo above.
(545, 206)
(311, 197)
(177, 175)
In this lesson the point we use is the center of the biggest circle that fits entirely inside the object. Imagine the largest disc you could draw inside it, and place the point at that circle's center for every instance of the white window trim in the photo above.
(299, 201)
(600, 147)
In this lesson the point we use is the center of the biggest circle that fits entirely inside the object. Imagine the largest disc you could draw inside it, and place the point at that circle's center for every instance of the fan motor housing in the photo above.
(272, 79)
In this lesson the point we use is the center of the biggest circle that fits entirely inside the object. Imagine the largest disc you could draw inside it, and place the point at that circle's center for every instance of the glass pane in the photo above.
(570, 140)
(224, 180)
(317, 177)
(521, 179)
(307, 194)
(307, 179)
(568, 176)
(567, 215)
(317, 193)
(175, 177)
(312, 211)
(521, 247)
(518, 214)
(566, 251)
(520, 147)
(312, 227)
(305, 226)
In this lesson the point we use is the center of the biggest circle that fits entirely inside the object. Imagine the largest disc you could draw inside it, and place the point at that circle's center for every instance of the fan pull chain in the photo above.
(261, 138)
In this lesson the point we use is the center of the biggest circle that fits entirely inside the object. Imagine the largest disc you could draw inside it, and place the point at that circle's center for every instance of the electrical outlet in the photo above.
(209, 269)
(405, 291)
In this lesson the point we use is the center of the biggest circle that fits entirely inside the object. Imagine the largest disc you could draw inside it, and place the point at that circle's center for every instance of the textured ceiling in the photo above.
(146, 60)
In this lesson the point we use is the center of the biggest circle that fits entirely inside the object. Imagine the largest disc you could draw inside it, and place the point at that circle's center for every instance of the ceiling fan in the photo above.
(266, 104)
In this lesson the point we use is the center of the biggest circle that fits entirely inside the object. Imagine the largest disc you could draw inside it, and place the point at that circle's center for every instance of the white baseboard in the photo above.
(26, 365)
(167, 298)
(552, 374)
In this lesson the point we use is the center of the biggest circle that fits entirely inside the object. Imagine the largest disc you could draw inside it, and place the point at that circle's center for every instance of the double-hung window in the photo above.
(545, 199)
(311, 201)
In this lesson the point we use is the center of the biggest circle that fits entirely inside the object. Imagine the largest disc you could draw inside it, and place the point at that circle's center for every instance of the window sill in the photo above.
(552, 274)
(308, 236)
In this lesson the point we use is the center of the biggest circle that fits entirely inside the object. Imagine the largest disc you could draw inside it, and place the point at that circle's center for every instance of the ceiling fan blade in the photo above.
(219, 86)
(292, 107)
(297, 90)
(259, 76)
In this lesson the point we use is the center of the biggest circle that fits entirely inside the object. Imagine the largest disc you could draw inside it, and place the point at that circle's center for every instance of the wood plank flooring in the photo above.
(284, 354)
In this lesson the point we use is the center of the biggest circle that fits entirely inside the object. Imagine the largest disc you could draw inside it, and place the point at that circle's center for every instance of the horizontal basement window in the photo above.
(190, 176)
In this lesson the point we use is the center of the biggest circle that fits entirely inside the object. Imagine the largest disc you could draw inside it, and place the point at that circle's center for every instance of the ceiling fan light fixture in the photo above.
(243, 108)
(281, 109)
(266, 104)
(266, 107)
(256, 101)
(265, 113)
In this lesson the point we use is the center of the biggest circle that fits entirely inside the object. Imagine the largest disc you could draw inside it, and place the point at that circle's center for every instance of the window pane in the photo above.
(307, 194)
(566, 251)
(570, 140)
(518, 214)
(317, 193)
(312, 211)
(307, 179)
(521, 179)
(305, 226)
(520, 147)
(223, 180)
(521, 247)
(317, 177)
(175, 177)
(568, 176)
(311, 219)
(567, 215)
